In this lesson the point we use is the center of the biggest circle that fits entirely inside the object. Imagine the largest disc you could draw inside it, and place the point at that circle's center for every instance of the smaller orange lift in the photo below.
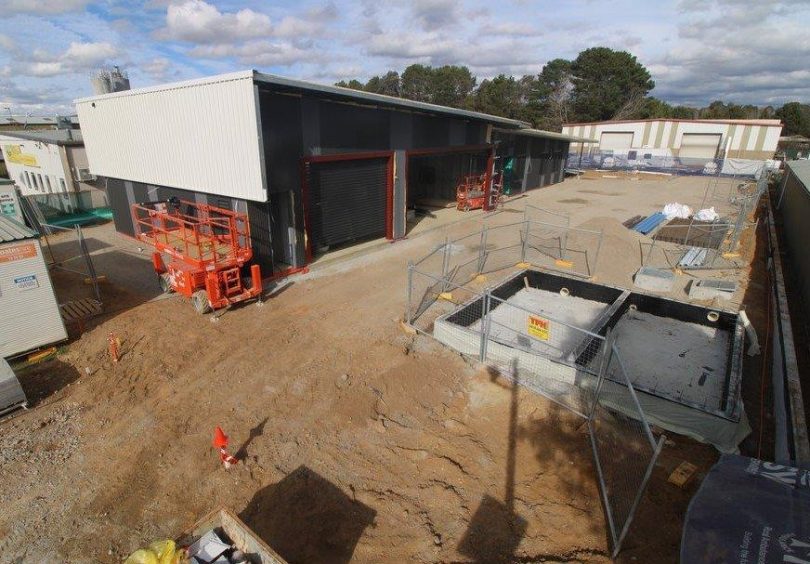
(209, 248)
(471, 192)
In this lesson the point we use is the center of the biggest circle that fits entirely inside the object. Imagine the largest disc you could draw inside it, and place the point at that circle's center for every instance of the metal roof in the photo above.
(33, 120)
(530, 132)
(52, 136)
(765, 122)
(12, 230)
(336, 92)
(381, 99)
(801, 168)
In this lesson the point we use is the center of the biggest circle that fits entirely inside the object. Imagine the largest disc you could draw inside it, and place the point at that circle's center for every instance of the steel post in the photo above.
(598, 250)
(482, 252)
(408, 311)
(484, 326)
(525, 242)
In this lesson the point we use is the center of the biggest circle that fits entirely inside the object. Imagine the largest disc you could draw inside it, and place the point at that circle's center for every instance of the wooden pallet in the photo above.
(78, 311)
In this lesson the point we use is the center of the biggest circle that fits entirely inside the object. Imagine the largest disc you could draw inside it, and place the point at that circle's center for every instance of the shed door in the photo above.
(616, 140)
(699, 145)
(346, 201)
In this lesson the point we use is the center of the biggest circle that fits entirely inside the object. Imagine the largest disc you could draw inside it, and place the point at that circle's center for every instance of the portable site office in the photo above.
(30, 313)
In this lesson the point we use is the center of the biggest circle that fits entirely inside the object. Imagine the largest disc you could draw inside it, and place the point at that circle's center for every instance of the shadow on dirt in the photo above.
(42, 380)
(306, 518)
(255, 432)
(495, 529)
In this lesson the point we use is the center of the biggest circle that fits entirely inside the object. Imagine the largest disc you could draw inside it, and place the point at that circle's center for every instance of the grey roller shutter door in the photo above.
(346, 200)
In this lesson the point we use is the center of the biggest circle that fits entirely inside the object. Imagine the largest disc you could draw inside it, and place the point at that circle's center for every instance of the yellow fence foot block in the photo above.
(564, 263)
(523, 265)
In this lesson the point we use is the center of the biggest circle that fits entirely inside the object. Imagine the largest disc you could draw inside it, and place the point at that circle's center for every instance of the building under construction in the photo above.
(314, 167)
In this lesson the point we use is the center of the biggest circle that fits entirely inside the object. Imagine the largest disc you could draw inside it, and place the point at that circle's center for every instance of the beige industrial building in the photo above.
(51, 166)
(732, 145)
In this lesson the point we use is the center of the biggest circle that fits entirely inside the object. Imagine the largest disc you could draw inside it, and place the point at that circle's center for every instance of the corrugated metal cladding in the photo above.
(123, 194)
(198, 136)
(346, 200)
(30, 316)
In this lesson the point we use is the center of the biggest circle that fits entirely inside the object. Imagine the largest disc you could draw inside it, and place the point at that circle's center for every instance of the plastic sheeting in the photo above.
(749, 511)
(675, 209)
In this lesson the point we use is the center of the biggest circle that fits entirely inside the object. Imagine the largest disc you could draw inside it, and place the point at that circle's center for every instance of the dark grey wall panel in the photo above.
(282, 131)
(458, 133)
(430, 132)
(346, 128)
(795, 210)
(120, 205)
(400, 194)
(311, 128)
(476, 133)
(401, 130)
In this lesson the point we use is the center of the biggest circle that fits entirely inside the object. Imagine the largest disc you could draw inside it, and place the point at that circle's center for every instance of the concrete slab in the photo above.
(710, 289)
(654, 279)
(684, 362)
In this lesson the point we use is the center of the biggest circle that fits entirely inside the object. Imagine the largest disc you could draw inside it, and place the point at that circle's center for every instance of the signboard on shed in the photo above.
(539, 327)
(18, 252)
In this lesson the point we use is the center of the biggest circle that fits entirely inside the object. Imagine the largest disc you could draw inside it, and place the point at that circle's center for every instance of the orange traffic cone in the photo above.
(221, 442)
(114, 344)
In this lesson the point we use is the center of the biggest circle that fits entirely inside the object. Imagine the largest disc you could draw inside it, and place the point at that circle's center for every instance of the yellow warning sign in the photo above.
(539, 327)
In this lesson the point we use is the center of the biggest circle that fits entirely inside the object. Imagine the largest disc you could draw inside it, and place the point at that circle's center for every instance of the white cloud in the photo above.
(41, 7)
(78, 57)
(258, 53)
(196, 21)
(7, 42)
(157, 68)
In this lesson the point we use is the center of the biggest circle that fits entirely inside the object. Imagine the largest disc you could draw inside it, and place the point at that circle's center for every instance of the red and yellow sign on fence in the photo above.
(539, 327)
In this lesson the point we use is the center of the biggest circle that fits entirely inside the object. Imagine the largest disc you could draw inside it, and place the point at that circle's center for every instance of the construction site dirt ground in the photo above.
(358, 442)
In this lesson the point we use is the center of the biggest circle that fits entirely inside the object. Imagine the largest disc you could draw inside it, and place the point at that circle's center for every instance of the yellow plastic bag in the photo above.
(142, 556)
(166, 551)
(159, 552)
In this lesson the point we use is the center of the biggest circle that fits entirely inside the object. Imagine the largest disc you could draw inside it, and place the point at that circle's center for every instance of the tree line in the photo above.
(599, 84)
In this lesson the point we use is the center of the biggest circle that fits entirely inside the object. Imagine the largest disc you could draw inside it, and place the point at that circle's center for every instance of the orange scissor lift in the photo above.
(208, 246)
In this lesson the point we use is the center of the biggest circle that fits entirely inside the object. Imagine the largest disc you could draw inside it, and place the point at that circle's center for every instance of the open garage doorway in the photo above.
(433, 176)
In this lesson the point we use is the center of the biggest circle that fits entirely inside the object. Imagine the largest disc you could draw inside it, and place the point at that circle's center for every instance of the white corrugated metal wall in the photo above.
(199, 135)
(29, 314)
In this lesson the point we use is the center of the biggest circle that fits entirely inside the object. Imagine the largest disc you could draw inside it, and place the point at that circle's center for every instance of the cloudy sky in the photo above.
(746, 51)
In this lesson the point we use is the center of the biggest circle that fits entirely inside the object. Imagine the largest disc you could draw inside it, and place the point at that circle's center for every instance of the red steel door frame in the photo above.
(450, 151)
(389, 188)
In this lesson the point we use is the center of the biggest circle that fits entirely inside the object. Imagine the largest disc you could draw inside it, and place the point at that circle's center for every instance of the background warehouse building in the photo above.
(313, 166)
(731, 146)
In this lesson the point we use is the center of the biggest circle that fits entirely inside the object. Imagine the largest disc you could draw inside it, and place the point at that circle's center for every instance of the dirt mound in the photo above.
(620, 253)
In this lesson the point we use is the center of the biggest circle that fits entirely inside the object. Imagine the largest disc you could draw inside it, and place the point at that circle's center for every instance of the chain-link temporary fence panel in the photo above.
(430, 297)
(692, 246)
(549, 217)
(501, 250)
(75, 257)
(554, 358)
(570, 250)
(624, 447)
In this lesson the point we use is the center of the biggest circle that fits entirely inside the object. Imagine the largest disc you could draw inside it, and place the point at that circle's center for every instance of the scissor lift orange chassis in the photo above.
(471, 192)
(208, 247)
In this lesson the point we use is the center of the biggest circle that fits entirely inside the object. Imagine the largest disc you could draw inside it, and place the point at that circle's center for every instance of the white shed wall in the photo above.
(199, 135)
(30, 315)
(36, 158)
